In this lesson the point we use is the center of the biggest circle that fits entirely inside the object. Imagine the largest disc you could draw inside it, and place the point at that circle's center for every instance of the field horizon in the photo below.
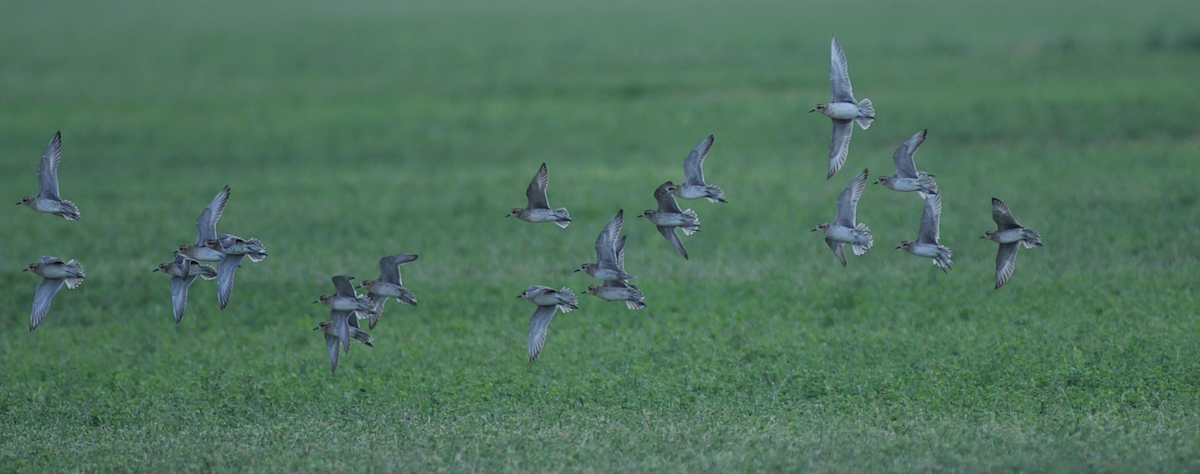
(347, 132)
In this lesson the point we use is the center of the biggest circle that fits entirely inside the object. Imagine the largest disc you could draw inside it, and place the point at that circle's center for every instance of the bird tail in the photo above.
(208, 272)
(76, 269)
(638, 301)
(943, 258)
(928, 185)
(693, 224)
(571, 303)
(862, 247)
(562, 218)
(1030, 238)
(69, 210)
(868, 112)
(362, 336)
(714, 194)
(257, 251)
(407, 297)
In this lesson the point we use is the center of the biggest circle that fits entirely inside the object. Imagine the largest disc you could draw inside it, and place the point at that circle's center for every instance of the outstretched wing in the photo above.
(905, 168)
(538, 323)
(179, 292)
(331, 346)
(1006, 262)
(931, 220)
(693, 165)
(42, 297)
(341, 323)
(225, 271)
(389, 267)
(1003, 217)
(342, 286)
(837, 250)
(666, 200)
(206, 224)
(847, 203)
(673, 238)
(48, 169)
(537, 189)
(839, 74)
(606, 242)
(839, 145)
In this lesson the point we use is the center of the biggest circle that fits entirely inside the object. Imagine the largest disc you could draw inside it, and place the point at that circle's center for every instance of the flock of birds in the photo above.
(347, 306)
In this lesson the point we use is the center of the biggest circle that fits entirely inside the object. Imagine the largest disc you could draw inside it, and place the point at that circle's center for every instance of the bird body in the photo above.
(47, 199)
(538, 209)
(843, 229)
(842, 109)
(55, 273)
(548, 301)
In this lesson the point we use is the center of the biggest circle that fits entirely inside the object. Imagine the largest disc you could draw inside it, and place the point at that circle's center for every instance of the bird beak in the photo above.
(26, 269)
(518, 296)
(814, 229)
(18, 203)
(317, 301)
(506, 215)
(983, 236)
(811, 111)
(897, 247)
(576, 271)
(316, 328)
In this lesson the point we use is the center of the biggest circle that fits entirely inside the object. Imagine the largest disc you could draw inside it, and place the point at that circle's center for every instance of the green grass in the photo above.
(348, 132)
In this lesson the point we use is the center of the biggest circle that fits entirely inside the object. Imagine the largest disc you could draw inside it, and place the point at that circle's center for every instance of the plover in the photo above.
(693, 186)
(843, 229)
(842, 109)
(669, 216)
(927, 244)
(548, 301)
(389, 284)
(55, 273)
(538, 209)
(907, 178)
(47, 199)
(1009, 234)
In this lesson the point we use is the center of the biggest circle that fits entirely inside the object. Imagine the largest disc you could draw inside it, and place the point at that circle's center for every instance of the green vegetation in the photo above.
(348, 132)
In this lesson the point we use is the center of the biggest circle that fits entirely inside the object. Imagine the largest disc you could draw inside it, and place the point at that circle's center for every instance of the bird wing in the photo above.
(693, 165)
(225, 271)
(342, 286)
(839, 145)
(619, 248)
(837, 250)
(341, 323)
(931, 220)
(537, 189)
(331, 347)
(606, 242)
(905, 168)
(1003, 217)
(49, 259)
(666, 201)
(1006, 262)
(389, 267)
(839, 74)
(179, 291)
(673, 238)
(538, 323)
(48, 169)
(206, 224)
(42, 297)
(847, 202)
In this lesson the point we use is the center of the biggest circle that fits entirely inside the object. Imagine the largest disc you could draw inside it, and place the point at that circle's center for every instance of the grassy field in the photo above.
(349, 132)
